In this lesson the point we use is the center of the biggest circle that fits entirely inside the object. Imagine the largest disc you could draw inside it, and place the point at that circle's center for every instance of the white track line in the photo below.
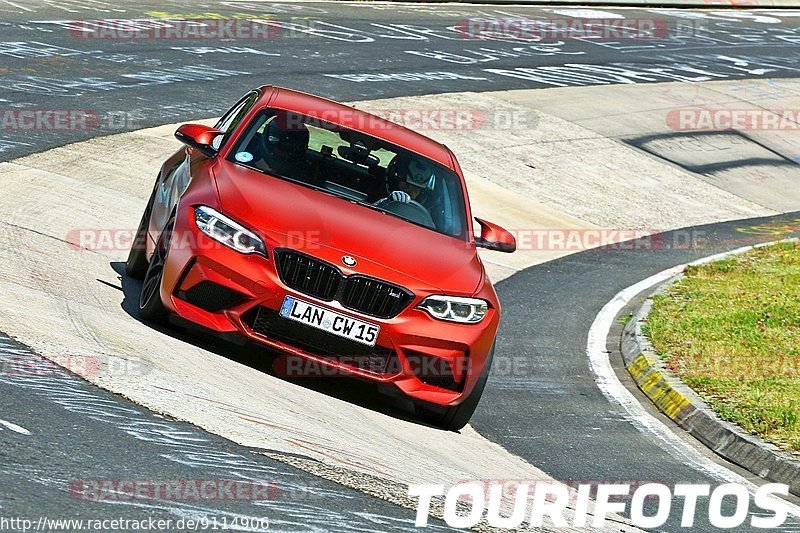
(14, 427)
(23, 8)
(616, 392)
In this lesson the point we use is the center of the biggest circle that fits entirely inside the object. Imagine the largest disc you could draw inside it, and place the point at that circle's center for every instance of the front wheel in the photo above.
(136, 266)
(456, 417)
(150, 305)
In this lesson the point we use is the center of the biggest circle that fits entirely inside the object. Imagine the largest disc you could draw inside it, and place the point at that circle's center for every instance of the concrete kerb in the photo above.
(682, 405)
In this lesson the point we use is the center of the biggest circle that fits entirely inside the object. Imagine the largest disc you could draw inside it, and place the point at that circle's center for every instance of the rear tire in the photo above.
(151, 308)
(136, 266)
(456, 417)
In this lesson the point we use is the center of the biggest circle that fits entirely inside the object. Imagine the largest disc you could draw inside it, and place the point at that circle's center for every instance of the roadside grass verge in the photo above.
(731, 331)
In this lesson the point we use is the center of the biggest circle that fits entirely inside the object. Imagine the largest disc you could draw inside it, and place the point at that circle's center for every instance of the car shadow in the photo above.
(352, 390)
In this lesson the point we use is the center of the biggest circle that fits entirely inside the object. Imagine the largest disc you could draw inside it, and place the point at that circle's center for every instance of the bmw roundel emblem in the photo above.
(349, 261)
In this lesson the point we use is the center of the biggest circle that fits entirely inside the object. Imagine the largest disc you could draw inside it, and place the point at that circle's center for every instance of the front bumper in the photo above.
(228, 292)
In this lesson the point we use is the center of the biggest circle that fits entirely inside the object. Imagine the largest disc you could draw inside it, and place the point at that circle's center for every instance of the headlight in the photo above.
(455, 308)
(226, 231)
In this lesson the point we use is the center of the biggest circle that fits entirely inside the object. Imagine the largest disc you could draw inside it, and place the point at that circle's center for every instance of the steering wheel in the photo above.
(419, 206)
(411, 210)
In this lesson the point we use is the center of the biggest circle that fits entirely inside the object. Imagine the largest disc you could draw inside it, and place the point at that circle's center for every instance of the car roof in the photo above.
(357, 120)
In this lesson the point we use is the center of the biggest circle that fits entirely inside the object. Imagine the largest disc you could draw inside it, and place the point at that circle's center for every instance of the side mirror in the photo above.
(199, 137)
(493, 237)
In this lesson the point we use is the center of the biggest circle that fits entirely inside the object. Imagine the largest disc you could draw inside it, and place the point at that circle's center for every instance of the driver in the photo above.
(283, 149)
(408, 179)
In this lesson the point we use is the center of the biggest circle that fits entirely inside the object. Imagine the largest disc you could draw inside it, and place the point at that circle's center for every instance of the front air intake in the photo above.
(211, 297)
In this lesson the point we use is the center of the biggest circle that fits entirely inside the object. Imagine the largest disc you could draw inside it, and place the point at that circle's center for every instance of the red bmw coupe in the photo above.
(332, 236)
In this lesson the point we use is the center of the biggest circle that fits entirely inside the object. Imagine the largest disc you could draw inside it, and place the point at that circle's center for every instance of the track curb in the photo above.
(683, 406)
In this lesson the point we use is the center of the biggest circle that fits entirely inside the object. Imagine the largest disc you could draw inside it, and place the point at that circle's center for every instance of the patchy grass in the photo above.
(731, 331)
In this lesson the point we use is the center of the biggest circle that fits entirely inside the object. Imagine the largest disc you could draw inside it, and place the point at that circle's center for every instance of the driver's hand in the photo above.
(400, 196)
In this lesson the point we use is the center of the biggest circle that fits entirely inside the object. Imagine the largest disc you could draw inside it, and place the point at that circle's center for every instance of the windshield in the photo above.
(356, 167)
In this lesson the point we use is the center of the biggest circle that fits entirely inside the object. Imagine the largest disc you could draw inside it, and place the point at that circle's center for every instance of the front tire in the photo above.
(151, 308)
(136, 266)
(456, 417)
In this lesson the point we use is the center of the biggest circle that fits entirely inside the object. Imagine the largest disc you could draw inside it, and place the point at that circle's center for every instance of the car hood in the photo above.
(319, 224)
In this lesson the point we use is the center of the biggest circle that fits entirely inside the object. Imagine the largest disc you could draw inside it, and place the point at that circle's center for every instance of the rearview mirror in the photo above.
(493, 237)
(199, 137)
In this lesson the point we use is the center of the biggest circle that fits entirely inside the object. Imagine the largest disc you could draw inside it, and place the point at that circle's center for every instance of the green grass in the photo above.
(731, 331)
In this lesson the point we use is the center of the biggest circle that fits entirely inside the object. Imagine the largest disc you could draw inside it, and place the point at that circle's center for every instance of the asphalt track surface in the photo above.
(553, 415)
(327, 48)
(81, 436)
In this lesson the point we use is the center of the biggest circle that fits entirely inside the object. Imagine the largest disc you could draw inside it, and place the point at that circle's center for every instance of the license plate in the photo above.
(330, 321)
